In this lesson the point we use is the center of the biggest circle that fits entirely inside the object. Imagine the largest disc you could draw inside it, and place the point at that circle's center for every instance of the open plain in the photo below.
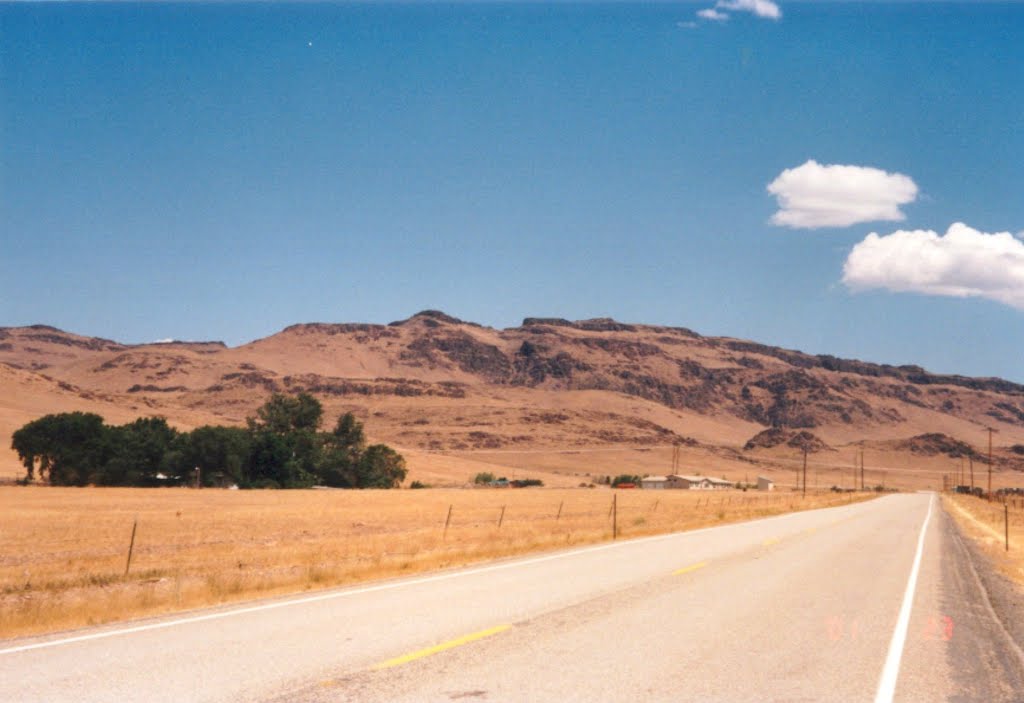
(64, 551)
(875, 600)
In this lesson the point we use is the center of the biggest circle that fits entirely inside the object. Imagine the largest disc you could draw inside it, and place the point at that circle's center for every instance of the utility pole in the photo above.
(805, 473)
(990, 431)
(862, 469)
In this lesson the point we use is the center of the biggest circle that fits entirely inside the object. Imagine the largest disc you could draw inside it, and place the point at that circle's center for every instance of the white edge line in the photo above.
(397, 584)
(891, 670)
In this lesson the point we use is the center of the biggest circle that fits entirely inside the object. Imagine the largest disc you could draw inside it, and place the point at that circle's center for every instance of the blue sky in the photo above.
(201, 171)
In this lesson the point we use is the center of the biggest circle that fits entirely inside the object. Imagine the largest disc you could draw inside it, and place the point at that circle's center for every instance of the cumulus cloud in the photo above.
(962, 263)
(761, 8)
(815, 195)
(713, 15)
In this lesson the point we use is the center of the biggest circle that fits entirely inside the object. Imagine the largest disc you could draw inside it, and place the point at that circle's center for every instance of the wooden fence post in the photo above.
(615, 516)
(131, 547)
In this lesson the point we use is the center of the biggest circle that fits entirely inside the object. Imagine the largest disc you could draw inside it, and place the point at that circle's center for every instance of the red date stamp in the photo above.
(938, 628)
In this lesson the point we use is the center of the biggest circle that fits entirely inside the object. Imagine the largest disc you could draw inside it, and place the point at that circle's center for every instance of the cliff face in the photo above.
(438, 383)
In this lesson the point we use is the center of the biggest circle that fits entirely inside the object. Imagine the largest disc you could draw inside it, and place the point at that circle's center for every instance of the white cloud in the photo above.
(686, 25)
(815, 195)
(761, 8)
(962, 263)
(163, 341)
(713, 15)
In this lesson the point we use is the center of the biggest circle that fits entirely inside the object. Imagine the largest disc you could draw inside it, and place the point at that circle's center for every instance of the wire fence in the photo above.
(68, 547)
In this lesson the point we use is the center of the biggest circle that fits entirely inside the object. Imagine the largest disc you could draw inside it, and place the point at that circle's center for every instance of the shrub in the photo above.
(625, 478)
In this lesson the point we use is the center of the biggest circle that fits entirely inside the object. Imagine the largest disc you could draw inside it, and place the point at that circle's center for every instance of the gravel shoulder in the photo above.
(986, 657)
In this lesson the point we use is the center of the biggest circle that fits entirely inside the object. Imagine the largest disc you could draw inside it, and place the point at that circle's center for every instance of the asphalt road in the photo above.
(875, 601)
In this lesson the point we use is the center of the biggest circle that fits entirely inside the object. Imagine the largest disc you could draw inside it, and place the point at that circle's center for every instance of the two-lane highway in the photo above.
(870, 601)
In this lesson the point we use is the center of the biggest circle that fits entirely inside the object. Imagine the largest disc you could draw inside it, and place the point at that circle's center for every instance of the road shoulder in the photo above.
(986, 657)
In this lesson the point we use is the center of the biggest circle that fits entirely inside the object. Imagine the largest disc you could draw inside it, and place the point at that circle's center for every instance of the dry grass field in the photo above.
(63, 551)
(984, 522)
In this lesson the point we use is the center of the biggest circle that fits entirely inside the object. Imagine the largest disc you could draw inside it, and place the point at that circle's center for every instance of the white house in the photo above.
(697, 483)
(655, 483)
(765, 484)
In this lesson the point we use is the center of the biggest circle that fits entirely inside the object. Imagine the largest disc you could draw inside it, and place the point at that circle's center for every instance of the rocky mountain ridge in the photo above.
(437, 383)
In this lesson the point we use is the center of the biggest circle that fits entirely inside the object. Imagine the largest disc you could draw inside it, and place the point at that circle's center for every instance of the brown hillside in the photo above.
(574, 398)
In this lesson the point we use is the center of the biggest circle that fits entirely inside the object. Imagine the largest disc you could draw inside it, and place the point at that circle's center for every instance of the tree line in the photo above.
(282, 446)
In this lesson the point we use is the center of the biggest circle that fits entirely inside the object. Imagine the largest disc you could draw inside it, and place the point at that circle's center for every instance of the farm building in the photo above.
(706, 483)
(765, 484)
(691, 483)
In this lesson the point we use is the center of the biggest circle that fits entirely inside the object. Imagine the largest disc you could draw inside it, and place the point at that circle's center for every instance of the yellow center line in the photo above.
(688, 569)
(465, 639)
(770, 541)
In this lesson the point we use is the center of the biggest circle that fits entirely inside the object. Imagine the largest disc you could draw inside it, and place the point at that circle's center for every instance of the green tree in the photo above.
(283, 414)
(67, 449)
(341, 450)
(135, 453)
(220, 453)
(348, 432)
(380, 466)
(266, 467)
(625, 478)
(285, 445)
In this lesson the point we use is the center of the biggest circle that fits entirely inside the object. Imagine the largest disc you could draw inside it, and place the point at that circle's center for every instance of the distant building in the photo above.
(697, 483)
(691, 483)
(765, 484)
(655, 483)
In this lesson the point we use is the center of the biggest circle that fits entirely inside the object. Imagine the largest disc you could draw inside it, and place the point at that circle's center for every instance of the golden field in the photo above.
(63, 551)
(984, 522)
